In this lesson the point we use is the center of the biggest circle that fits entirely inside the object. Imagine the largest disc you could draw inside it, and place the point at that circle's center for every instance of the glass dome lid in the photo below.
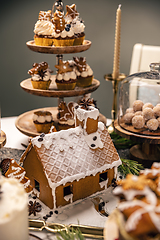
(139, 102)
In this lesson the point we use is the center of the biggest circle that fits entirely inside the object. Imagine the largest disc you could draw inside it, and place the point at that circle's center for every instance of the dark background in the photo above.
(140, 23)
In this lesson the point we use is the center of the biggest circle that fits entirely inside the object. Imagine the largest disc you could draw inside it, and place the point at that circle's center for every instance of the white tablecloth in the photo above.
(15, 138)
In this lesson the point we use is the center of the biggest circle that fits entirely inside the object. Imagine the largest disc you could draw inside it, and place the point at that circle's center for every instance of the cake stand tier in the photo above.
(24, 122)
(149, 149)
(54, 92)
(2, 139)
(58, 50)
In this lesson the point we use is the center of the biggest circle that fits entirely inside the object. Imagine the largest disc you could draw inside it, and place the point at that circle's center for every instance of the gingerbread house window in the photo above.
(67, 190)
(103, 177)
(37, 185)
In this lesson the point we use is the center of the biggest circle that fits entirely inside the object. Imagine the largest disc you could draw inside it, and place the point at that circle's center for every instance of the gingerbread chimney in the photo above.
(87, 117)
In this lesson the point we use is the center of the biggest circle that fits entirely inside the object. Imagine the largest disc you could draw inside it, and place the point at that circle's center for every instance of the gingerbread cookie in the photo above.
(58, 21)
(43, 15)
(63, 67)
(71, 11)
(80, 63)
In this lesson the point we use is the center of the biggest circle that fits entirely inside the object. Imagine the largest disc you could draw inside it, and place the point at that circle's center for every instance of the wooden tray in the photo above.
(54, 92)
(24, 122)
(58, 50)
(136, 135)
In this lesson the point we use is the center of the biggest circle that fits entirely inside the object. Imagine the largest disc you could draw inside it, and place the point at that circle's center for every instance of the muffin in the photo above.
(65, 115)
(63, 33)
(40, 75)
(66, 77)
(43, 121)
(83, 71)
(72, 18)
(43, 29)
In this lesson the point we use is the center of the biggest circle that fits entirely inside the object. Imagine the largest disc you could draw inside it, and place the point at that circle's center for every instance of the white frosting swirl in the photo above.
(78, 26)
(37, 77)
(86, 73)
(64, 33)
(42, 119)
(66, 76)
(44, 28)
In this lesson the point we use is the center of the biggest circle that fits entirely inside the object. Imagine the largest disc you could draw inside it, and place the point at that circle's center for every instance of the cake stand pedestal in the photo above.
(2, 139)
(148, 151)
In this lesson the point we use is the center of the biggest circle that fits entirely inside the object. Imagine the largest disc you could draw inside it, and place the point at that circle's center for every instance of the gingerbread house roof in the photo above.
(69, 155)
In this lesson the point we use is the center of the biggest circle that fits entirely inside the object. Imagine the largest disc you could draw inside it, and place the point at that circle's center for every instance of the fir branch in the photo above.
(70, 234)
(130, 166)
(121, 142)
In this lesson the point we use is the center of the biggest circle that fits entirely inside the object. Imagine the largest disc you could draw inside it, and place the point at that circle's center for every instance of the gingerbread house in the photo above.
(72, 164)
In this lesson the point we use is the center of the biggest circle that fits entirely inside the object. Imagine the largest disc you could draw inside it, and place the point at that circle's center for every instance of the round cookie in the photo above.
(138, 121)
(148, 113)
(129, 110)
(138, 113)
(127, 118)
(152, 124)
(156, 110)
(158, 119)
(137, 105)
(150, 105)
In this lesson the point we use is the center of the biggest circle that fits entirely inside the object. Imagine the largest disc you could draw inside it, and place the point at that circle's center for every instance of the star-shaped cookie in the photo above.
(135, 182)
(71, 11)
(63, 67)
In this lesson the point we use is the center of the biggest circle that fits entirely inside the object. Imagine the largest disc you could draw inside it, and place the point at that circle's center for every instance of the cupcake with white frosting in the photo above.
(72, 18)
(66, 77)
(63, 33)
(83, 71)
(44, 29)
(40, 75)
(43, 121)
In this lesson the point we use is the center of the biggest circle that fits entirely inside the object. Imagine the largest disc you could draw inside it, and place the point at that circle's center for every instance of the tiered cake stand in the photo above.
(149, 150)
(24, 122)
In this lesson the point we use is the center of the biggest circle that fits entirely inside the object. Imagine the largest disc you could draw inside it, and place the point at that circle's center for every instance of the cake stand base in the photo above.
(148, 149)
(145, 154)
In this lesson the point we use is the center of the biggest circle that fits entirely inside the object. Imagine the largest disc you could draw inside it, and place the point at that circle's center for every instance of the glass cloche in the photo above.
(139, 102)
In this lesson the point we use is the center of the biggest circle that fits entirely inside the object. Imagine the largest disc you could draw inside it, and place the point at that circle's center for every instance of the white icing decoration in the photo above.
(69, 197)
(103, 184)
(149, 207)
(82, 114)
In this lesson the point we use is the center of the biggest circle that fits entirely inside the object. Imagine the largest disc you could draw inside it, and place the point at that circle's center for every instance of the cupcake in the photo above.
(72, 18)
(43, 121)
(40, 76)
(83, 71)
(44, 29)
(63, 33)
(65, 115)
(66, 77)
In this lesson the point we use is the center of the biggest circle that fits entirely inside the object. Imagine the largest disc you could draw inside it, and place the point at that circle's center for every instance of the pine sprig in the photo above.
(70, 234)
(120, 142)
(130, 166)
